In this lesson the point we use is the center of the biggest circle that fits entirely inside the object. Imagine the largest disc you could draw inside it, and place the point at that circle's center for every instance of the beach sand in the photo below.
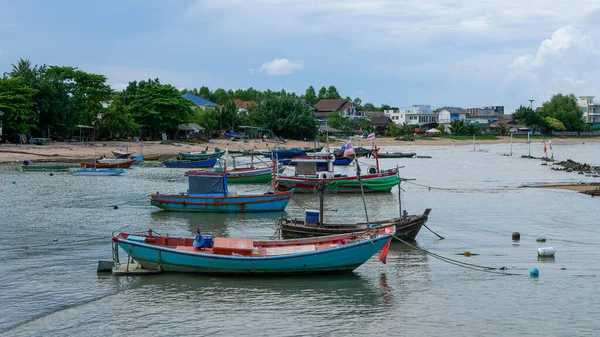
(76, 151)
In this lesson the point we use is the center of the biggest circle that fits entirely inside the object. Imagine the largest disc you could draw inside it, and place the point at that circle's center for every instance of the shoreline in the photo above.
(10, 153)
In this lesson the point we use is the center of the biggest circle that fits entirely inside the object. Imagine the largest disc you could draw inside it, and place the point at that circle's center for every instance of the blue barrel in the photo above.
(311, 216)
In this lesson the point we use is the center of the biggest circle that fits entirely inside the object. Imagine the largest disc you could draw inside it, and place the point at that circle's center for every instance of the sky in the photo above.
(468, 53)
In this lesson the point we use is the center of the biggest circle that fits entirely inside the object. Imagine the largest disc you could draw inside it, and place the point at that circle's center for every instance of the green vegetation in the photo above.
(465, 137)
(286, 116)
(561, 113)
(16, 101)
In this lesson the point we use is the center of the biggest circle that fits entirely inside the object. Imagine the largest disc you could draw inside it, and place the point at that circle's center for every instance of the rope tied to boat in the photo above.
(485, 269)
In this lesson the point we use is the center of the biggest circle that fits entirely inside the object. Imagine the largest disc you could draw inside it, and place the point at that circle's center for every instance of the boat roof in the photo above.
(312, 159)
(202, 173)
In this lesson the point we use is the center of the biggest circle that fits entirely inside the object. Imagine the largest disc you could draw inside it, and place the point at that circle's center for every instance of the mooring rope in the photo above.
(458, 263)
(454, 189)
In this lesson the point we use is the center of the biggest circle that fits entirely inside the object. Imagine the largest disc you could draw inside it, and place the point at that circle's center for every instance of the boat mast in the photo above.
(362, 190)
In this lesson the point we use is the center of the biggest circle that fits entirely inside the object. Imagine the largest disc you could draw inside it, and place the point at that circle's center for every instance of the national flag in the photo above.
(348, 149)
(544, 148)
(384, 252)
(371, 136)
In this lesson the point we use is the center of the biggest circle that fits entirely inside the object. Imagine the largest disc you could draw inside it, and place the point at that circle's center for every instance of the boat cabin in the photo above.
(207, 183)
(312, 165)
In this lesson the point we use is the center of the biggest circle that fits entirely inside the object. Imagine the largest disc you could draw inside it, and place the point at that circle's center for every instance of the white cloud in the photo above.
(567, 62)
(279, 67)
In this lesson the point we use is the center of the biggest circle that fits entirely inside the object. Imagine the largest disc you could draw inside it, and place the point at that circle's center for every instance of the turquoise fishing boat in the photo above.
(208, 192)
(326, 254)
(200, 155)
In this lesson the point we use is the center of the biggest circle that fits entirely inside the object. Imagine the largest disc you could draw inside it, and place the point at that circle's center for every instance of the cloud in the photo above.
(279, 67)
(567, 62)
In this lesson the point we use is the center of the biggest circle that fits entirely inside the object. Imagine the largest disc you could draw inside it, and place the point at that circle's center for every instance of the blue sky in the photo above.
(467, 53)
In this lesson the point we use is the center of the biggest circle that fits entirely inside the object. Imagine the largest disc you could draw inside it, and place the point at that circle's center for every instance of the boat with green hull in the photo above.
(43, 168)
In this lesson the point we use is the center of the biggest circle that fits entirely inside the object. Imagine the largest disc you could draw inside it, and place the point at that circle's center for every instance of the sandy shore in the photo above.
(76, 151)
(581, 187)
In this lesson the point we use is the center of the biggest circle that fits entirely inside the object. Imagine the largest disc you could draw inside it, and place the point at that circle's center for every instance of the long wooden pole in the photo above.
(361, 188)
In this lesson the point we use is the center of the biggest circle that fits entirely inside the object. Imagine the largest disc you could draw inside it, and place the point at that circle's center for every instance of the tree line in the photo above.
(55, 101)
(560, 113)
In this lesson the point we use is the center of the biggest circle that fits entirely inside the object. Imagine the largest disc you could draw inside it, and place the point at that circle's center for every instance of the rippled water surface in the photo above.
(50, 288)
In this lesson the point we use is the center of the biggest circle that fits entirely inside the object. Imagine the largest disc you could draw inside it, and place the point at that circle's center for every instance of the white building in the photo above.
(417, 115)
(591, 110)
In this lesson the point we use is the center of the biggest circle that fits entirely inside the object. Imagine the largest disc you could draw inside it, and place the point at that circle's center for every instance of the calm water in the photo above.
(51, 288)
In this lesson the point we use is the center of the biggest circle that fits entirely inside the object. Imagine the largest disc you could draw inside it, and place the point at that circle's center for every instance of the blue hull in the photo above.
(343, 258)
(281, 154)
(191, 164)
(98, 172)
(230, 204)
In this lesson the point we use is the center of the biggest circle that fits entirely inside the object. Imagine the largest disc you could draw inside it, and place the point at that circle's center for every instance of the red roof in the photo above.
(240, 104)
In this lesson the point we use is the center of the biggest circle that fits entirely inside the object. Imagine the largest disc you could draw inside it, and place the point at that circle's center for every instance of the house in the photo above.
(418, 114)
(199, 101)
(591, 110)
(381, 123)
(448, 114)
(325, 130)
(492, 110)
(1, 114)
(242, 106)
(190, 130)
(326, 106)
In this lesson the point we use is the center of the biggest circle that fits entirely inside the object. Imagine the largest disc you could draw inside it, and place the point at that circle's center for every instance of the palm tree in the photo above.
(24, 70)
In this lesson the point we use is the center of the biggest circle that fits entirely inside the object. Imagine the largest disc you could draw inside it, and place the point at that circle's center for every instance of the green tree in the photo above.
(310, 95)
(564, 108)
(286, 116)
(331, 93)
(16, 101)
(117, 121)
(554, 124)
(529, 117)
(220, 96)
(155, 106)
(322, 94)
(227, 115)
(357, 101)
(25, 71)
(369, 107)
(337, 121)
(458, 127)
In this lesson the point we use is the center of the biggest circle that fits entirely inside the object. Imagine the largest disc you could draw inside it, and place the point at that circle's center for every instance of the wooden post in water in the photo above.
(399, 191)
(274, 173)
(473, 142)
(321, 192)
(529, 142)
(511, 136)
(361, 188)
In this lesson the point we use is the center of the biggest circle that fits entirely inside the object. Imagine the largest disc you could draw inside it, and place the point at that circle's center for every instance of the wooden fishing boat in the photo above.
(342, 161)
(98, 172)
(407, 226)
(312, 170)
(285, 154)
(152, 158)
(43, 168)
(358, 151)
(191, 163)
(312, 149)
(396, 154)
(200, 155)
(125, 164)
(111, 161)
(121, 154)
(208, 192)
(247, 175)
(336, 253)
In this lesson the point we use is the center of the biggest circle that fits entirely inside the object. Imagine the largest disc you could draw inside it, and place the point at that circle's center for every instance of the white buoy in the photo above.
(546, 252)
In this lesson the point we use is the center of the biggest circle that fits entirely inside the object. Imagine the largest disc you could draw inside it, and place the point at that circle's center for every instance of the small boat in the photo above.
(359, 151)
(152, 158)
(312, 149)
(200, 155)
(104, 160)
(121, 154)
(315, 169)
(285, 154)
(125, 164)
(191, 163)
(396, 154)
(208, 192)
(247, 175)
(407, 226)
(98, 172)
(202, 254)
(43, 168)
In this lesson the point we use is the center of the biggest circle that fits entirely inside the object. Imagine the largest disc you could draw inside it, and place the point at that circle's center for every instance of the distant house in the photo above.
(447, 115)
(200, 102)
(381, 123)
(492, 110)
(591, 110)
(418, 114)
(190, 130)
(326, 106)
(1, 114)
(243, 105)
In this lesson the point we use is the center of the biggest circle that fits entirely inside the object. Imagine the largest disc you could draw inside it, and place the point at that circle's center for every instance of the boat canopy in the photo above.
(308, 165)
(207, 182)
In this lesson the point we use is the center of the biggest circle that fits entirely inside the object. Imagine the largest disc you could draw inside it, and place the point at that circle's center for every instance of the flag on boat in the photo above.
(384, 252)
(371, 136)
(348, 149)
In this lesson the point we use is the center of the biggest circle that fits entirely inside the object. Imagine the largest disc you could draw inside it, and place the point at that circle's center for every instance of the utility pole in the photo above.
(531, 103)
